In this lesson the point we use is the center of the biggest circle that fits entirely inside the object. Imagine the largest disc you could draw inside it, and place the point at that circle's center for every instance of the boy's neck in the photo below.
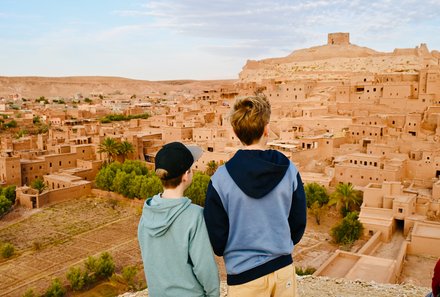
(173, 193)
(259, 145)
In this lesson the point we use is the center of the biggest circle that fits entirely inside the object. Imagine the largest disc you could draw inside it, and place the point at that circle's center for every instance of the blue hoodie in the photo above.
(255, 211)
(175, 248)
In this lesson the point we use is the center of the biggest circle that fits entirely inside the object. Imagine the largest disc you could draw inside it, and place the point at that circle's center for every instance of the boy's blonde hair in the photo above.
(168, 183)
(249, 117)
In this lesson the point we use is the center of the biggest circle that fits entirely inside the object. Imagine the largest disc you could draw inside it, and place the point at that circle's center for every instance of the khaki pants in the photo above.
(280, 283)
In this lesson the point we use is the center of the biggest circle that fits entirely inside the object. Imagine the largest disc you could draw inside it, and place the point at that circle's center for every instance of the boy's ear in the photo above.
(185, 175)
(266, 130)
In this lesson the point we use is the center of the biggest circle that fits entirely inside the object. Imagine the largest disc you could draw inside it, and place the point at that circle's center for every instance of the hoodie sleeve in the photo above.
(200, 253)
(298, 212)
(217, 221)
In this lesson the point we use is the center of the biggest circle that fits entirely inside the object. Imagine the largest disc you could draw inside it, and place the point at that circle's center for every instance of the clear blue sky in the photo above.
(194, 39)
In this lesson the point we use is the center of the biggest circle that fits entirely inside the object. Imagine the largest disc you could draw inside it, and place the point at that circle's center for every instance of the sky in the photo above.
(194, 39)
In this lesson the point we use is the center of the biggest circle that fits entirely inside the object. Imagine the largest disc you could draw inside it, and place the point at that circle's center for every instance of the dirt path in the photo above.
(390, 250)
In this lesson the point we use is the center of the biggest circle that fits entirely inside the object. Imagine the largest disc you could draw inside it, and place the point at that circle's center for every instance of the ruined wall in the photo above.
(338, 38)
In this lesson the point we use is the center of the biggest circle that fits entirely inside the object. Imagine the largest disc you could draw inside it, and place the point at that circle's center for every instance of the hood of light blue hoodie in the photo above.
(162, 213)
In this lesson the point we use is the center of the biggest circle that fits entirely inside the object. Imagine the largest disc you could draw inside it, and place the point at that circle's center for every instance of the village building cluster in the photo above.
(342, 113)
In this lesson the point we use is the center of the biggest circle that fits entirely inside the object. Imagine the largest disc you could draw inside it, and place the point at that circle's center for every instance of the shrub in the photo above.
(105, 265)
(99, 268)
(29, 293)
(5, 205)
(56, 289)
(349, 230)
(304, 271)
(128, 274)
(77, 278)
(7, 250)
(37, 245)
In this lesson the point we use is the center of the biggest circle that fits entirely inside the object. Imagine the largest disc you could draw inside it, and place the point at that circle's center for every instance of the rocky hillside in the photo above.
(338, 62)
(311, 286)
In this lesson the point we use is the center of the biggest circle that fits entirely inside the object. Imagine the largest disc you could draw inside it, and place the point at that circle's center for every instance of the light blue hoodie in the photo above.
(177, 255)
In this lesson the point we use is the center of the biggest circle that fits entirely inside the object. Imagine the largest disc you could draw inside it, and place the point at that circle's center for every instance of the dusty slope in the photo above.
(33, 86)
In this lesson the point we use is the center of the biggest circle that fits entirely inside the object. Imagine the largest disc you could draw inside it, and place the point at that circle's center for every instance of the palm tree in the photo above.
(39, 185)
(211, 167)
(346, 197)
(315, 193)
(125, 148)
(110, 147)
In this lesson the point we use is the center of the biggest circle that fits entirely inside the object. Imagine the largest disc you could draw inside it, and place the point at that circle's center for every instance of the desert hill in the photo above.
(34, 87)
(338, 62)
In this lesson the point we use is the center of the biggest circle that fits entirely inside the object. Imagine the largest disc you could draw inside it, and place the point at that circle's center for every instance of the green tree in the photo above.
(137, 166)
(347, 231)
(211, 167)
(9, 193)
(150, 187)
(125, 148)
(5, 205)
(21, 133)
(315, 193)
(104, 178)
(317, 211)
(36, 120)
(120, 183)
(197, 190)
(56, 289)
(109, 146)
(134, 187)
(39, 185)
(11, 124)
(346, 198)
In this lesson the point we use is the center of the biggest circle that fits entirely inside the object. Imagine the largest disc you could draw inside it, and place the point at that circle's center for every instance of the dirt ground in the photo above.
(50, 240)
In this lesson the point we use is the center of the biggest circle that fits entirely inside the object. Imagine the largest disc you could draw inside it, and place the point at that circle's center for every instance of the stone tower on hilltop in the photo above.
(339, 38)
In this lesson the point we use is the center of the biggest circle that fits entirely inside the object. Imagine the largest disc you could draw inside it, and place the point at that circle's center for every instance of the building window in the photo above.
(400, 210)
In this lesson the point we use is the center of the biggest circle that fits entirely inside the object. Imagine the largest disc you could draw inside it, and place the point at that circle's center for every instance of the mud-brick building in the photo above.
(60, 187)
(10, 169)
(389, 207)
(361, 169)
(32, 169)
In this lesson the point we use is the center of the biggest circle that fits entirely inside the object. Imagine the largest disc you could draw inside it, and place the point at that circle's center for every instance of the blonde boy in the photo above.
(255, 209)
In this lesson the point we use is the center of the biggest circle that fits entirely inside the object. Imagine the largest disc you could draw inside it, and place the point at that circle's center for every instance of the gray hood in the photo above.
(159, 214)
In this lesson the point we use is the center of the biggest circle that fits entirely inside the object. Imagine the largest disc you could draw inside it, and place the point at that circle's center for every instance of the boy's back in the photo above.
(255, 209)
(175, 267)
(175, 248)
